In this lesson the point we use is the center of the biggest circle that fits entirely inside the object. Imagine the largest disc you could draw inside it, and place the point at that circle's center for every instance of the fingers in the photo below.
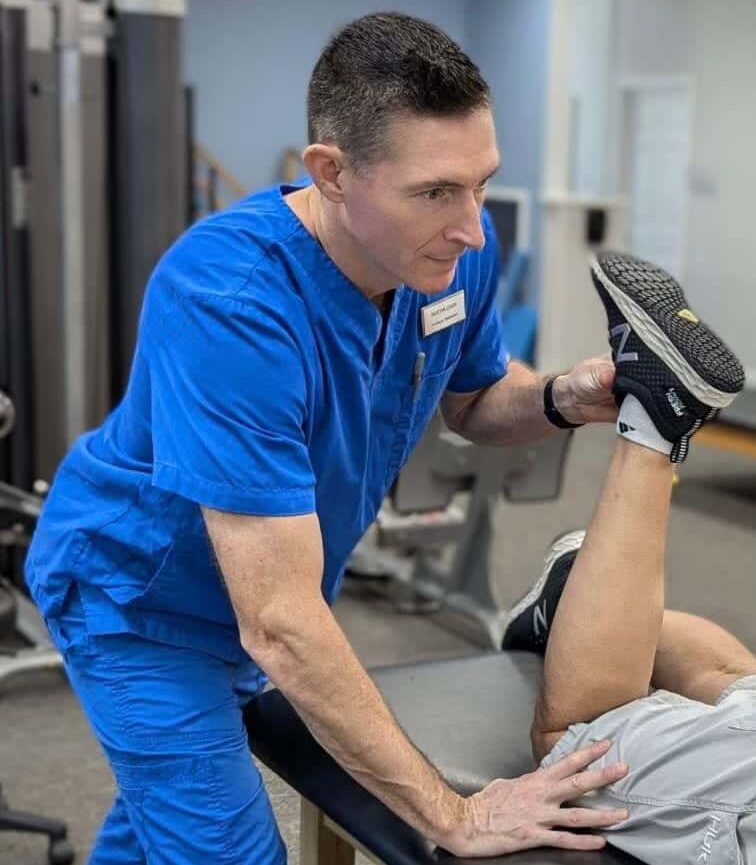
(576, 818)
(588, 818)
(583, 782)
(578, 760)
(599, 364)
(604, 358)
(569, 841)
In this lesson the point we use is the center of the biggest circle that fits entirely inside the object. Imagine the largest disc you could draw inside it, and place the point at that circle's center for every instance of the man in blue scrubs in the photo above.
(290, 353)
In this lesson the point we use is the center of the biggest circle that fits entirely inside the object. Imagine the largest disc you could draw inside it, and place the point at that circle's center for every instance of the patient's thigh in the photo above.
(690, 789)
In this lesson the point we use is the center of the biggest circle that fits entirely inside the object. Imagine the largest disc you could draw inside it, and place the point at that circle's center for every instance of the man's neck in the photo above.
(320, 218)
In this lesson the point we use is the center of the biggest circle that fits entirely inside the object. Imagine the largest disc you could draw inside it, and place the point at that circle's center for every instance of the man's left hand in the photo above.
(584, 394)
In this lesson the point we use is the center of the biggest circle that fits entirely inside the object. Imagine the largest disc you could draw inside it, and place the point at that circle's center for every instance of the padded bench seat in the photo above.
(470, 716)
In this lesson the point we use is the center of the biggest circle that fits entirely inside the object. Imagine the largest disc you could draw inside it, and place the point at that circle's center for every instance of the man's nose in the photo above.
(467, 228)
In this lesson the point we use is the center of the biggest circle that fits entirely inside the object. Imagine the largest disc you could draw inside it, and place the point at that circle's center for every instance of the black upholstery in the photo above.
(470, 716)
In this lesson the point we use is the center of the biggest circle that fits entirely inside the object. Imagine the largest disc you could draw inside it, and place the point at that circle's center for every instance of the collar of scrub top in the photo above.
(339, 295)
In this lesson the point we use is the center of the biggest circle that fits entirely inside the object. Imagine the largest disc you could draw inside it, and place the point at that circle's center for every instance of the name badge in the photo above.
(443, 313)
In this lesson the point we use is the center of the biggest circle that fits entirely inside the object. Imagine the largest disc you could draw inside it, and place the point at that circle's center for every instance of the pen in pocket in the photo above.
(417, 373)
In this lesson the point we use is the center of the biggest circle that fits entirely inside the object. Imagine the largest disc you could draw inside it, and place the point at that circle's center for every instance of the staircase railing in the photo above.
(215, 186)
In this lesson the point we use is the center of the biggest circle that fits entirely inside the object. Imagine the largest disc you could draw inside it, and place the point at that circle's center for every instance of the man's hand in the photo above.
(521, 813)
(584, 394)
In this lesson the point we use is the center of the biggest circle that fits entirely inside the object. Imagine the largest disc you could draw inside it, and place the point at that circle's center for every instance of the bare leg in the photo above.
(698, 659)
(603, 641)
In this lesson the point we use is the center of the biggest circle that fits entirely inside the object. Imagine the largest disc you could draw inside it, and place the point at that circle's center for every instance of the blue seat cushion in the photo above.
(519, 324)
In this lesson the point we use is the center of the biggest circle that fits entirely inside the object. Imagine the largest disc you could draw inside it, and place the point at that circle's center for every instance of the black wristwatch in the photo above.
(553, 415)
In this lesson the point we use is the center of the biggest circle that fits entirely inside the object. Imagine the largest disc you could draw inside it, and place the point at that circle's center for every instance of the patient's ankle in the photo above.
(630, 450)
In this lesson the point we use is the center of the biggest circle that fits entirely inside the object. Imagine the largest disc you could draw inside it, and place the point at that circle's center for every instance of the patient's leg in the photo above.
(609, 635)
(604, 636)
(672, 374)
(698, 659)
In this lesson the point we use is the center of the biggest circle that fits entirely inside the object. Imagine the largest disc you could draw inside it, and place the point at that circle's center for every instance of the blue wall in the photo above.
(251, 61)
(508, 39)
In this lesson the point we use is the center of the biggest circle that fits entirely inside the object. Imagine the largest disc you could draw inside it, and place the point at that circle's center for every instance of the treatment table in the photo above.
(470, 716)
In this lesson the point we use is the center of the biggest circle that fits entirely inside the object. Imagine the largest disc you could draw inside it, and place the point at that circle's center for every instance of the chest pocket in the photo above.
(417, 404)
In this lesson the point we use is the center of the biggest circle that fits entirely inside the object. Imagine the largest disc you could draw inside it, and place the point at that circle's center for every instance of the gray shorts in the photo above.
(691, 789)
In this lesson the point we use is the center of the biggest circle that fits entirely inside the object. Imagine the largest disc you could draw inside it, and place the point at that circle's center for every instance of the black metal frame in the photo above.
(60, 851)
(15, 350)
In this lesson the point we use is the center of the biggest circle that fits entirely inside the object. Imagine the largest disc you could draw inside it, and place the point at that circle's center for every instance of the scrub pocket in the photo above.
(170, 722)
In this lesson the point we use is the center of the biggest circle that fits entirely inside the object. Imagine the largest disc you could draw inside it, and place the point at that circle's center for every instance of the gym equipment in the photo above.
(66, 204)
(470, 717)
(15, 369)
(7, 415)
(148, 151)
(429, 548)
(93, 189)
(18, 516)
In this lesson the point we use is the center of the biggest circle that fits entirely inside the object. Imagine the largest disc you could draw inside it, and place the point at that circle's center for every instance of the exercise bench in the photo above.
(470, 716)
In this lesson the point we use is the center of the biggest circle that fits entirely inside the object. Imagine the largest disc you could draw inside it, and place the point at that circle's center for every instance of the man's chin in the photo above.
(434, 284)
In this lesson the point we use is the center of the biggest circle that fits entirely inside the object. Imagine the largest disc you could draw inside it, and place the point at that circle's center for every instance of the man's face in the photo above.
(414, 213)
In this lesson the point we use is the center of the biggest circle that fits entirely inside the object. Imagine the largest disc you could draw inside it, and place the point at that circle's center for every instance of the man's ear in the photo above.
(324, 164)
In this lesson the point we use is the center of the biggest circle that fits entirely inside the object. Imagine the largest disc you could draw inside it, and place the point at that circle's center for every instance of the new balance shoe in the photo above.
(529, 622)
(679, 370)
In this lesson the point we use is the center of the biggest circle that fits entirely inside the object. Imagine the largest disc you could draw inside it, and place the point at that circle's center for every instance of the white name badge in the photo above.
(443, 313)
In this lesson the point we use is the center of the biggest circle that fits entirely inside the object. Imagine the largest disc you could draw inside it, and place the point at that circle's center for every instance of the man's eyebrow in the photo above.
(445, 183)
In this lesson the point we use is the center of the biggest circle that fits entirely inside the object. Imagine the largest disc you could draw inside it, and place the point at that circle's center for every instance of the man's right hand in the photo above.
(520, 813)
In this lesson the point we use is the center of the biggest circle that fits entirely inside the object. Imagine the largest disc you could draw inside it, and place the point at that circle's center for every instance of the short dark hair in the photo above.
(379, 67)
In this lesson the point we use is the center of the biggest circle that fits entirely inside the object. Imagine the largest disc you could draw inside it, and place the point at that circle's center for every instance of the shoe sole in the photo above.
(641, 290)
(563, 544)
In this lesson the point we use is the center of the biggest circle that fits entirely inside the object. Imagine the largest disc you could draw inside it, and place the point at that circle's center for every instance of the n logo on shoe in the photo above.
(540, 622)
(623, 331)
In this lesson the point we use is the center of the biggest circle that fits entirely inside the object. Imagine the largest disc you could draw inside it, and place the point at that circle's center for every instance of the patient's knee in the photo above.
(543, 736)
(542, 742)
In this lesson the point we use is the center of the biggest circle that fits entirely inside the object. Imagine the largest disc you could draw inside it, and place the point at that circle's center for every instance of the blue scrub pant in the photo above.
(170, 722)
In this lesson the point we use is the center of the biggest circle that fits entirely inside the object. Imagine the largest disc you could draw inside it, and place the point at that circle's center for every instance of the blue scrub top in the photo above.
(259, 386)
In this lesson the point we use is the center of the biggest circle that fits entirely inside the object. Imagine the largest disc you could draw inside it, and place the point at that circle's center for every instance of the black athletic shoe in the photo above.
(671, 361)
(529, 621)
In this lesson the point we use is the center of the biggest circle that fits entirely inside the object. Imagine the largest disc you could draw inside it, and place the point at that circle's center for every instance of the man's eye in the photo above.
(436, 194)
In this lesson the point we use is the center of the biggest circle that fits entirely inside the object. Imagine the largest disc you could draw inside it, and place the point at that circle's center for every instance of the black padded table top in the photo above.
(470, 717)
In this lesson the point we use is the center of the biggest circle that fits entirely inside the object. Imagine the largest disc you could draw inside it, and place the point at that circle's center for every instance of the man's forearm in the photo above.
(313, 664)
(509, 411)
(272, 568)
